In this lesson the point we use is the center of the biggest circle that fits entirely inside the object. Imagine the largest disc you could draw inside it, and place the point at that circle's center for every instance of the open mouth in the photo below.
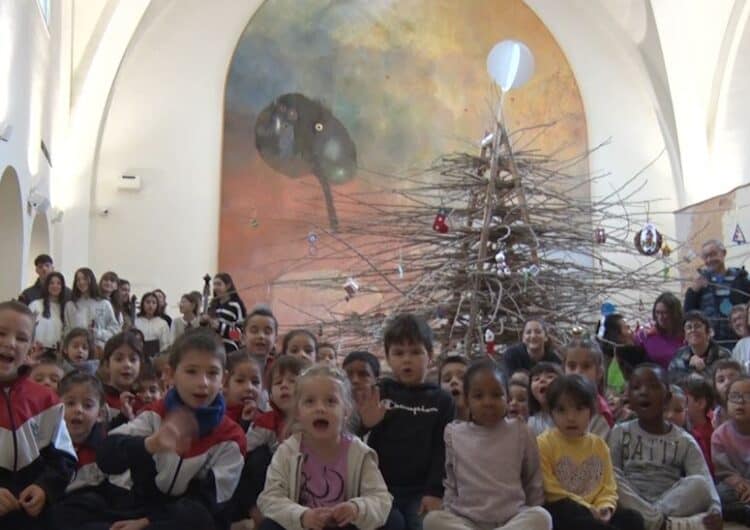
(7, 358)
(455, 392)
(200, 397)
(320, 425)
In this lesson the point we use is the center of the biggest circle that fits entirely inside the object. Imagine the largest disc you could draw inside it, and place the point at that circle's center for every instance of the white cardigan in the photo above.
(365, 486)
(48, 331)
(82, 313)
(155, 329)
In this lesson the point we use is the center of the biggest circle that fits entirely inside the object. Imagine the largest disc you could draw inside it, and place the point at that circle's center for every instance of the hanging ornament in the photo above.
(739, 236)
(648, 241)
(600, 236)
(503, 271)
(351, 287)
(489, 342)
(440, 224)
(312, 243)
(254, 218)
(666, 250)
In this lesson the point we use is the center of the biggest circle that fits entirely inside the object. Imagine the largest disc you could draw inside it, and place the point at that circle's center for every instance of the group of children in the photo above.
(199, 439)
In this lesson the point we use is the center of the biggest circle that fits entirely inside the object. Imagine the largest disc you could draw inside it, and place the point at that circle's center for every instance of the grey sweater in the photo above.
(652, 463)
(491, 474)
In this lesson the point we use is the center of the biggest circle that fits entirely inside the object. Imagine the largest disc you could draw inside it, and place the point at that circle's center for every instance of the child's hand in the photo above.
(174, 434)
(371, 410)
(131, 524)
(602, 514)
(126, 404)
(429, 504)
(345, 513)
(32, 500)
(8, 503)
(249, 410)
(697, 363)
(316, 518)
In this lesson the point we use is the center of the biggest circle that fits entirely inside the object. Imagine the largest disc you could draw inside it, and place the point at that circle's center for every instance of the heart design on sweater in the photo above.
(582, 479)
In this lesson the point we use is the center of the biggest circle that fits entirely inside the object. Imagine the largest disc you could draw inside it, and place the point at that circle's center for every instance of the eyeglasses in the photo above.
(739, 397)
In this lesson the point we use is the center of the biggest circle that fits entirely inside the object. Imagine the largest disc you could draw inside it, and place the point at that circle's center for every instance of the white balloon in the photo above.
(511, 64)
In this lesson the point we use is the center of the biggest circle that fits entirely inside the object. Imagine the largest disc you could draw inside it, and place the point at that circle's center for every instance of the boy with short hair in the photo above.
(406, 418)
(700, 400)
(47, 371)
(34, 470)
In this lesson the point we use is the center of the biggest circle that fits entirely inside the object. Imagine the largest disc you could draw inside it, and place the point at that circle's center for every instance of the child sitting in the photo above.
(47, 371)
(122, 361)
(91, 493)
(676, 412)
(322, 476)
(493, 478)
(77, 348)
(148, 387)
(327, 354)
(725, 371)
(451, 376)
(363, 369)
(259, 336)
(730, 445)
(540, 377)
(518, 401)
(583, 356)
(36, 467)
(406, 426)
(243, 387)
(579, 482)
(184, 455)
(660, 469)
(300, 342)
(700, 401)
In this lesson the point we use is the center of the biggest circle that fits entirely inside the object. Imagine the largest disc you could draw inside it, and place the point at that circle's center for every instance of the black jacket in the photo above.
(517, 358)
(409, 441)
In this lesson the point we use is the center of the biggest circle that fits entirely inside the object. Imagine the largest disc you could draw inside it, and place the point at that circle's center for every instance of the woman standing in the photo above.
(226, 311)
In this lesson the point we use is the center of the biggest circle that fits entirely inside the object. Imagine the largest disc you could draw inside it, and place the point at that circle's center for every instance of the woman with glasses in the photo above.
(701, 352)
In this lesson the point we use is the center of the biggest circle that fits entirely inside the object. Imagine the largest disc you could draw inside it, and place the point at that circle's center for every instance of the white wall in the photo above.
(31, 61)
(164, 123)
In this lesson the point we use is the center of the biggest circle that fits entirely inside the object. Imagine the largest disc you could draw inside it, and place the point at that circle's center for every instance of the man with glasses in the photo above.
(716, 290)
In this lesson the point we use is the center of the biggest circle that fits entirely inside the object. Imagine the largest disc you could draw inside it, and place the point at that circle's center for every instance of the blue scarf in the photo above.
(208, 417)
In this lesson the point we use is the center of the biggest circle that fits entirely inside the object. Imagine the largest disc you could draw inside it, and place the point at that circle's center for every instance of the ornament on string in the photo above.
(739, 237)
(503, 271)
(666, 250)
(600, 236)
(254, 223)
(400, 266)
(440, 224)
(351, 287)
(649, 240)
(489, 342)
(312, 243)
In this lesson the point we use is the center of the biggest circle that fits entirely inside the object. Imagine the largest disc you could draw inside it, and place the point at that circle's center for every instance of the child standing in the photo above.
(583, 356)
(37, 466)
(406, 426)
(493, 478)
(579, 483)
(540, 377)
(660, 469)
(322, 476)
(49, 312)
(184, 455)
(730, 445)
(190, 304)
(700, 401)
(300, 342)
(451, 376)
(87, 309)
(156, 335)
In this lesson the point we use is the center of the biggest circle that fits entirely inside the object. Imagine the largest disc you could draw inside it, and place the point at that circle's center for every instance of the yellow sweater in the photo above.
(579, 469)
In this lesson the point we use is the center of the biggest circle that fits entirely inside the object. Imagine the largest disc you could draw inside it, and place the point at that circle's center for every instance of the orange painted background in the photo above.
(409, 82)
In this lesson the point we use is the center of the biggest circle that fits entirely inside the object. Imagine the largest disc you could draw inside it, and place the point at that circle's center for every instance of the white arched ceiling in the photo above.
(730, 136)
(11, 234)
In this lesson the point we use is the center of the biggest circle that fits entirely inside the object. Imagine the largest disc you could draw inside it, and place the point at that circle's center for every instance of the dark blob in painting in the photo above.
(298, 136)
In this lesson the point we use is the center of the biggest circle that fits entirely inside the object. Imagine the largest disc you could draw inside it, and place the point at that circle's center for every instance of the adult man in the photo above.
(44, 265)
(716, 289)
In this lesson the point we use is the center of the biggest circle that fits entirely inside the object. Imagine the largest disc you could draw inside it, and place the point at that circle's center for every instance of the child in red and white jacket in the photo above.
(37, 458)
(184, 454)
